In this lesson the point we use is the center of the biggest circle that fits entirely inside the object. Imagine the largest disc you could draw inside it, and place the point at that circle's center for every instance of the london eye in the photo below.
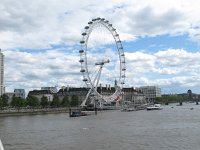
(102, 61)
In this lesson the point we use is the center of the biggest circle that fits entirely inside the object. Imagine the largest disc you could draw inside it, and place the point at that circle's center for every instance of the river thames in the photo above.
(174, 128)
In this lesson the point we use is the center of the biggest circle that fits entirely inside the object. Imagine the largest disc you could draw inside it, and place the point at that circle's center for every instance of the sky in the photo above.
(161, 40)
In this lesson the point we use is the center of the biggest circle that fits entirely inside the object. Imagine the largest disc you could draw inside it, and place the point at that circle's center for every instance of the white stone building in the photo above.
(150, 92)
(40, 93)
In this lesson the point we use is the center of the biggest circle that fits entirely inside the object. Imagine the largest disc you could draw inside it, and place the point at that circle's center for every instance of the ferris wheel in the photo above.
(102, 61)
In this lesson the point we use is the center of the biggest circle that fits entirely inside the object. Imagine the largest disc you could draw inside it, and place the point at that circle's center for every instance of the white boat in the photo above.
(1, 145)
(154, 107)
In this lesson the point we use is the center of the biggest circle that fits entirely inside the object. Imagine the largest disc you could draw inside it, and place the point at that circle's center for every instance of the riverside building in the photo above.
(151, 92)
(129, 94)
(16, 93)
(40, 93)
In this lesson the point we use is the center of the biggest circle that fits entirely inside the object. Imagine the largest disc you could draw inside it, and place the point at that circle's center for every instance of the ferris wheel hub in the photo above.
(101, 63)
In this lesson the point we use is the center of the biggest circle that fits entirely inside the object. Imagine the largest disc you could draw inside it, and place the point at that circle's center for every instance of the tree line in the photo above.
(33, 101)
(171, 99)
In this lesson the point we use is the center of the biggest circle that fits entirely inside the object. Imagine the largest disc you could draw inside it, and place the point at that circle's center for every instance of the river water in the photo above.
(176, 128)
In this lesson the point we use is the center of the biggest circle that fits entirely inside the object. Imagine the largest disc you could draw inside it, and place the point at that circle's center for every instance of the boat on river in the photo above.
(76, 113)
(154, 107)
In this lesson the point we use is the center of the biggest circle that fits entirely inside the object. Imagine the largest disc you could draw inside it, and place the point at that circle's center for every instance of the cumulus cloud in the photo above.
(58, 67)
(39, 25)
(167, 68)
(33, 70)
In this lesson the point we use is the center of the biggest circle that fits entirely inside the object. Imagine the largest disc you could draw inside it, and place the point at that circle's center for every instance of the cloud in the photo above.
(167, 68)
(46, 68)
(57, 67)
(39, 25)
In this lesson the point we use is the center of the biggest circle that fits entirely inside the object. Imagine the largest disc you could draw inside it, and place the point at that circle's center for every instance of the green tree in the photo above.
(185, 98)
(32, 101)
(159, 100)
(56, 101)
(74, 101)
(44, 101)
(5, 99)
(171, 99)
(17, 102)
(65, 101)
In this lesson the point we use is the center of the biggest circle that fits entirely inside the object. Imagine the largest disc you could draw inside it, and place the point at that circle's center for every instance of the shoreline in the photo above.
(24, 112)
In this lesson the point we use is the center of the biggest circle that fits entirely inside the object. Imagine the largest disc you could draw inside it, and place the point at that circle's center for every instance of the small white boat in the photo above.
(154, 107)
(1, 145)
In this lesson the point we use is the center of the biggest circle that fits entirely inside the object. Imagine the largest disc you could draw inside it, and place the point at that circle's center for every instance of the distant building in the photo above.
(2, 89)
(134, 96)
(16, 93)
(151, 92)
(81, 92)
(20, 93)
(40, 93)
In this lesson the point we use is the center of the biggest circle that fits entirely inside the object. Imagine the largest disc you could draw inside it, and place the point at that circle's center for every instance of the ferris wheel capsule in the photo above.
(82, 70)
(81, 51)
(81, 60)
(123, 69)
(82, 42)
(85, 79)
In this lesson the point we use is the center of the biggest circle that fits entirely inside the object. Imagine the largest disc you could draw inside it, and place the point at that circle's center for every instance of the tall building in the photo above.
(1, 73)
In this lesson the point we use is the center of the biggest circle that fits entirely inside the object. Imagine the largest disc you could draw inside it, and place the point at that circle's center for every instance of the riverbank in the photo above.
(15, 112)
